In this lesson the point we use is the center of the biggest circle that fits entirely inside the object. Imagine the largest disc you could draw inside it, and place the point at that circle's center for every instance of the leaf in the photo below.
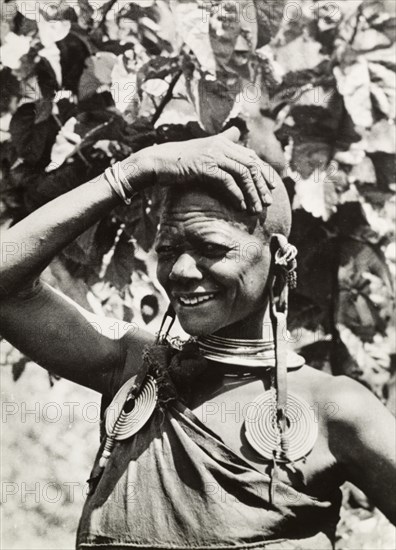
(385, 169)
(316, 263)
(13, 48)
(293, 22)
(52, 31)
(86, 13)
(97, 73)
(124, 88)
(309, 157)
(11, 91)
(192, 23)
(158, 67)
(141, 218)
(353, 83)
(363, 172)
(302, 53)
(213, 101)
(353, 156)
(359, 263)
(269, 18)
(379, 210)
(88, 249)
(380, 16)
(65, 143)
(56, 10)
(357, 312)
(304, 312)
(33, 141)
(74, 50)
(153, 39)
(316, 195)
(46, 187)
(113, 128)
(44, 108)
(233, 34)
(119, 270)
(312, 121)
(383, 89)
(368, 363)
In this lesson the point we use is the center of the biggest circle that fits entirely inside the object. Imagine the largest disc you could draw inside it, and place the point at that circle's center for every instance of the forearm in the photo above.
(29, 246)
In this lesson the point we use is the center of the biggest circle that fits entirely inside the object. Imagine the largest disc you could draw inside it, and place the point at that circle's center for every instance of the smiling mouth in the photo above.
(195, 300)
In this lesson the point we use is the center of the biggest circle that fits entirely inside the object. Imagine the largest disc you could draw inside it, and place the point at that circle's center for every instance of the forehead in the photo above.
(196, 213)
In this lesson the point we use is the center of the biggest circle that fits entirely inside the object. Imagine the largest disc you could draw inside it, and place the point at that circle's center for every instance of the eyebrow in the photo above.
(176, 240)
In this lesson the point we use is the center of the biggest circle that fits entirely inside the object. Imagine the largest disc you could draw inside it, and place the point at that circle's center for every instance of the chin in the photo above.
(199, 327)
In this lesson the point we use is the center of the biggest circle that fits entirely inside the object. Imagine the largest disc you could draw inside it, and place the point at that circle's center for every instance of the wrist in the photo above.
(139, 171)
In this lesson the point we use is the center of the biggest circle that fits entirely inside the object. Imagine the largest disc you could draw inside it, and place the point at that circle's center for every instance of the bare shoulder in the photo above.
(354, 403)
(354, 416)
(342, 399)
(359, 432)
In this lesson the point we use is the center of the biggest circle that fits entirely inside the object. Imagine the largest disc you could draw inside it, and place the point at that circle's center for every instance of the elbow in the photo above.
(11, 291)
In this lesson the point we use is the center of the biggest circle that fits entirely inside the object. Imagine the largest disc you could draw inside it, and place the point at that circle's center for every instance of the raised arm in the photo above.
(54, 331)
(363, 438)
(42, 323)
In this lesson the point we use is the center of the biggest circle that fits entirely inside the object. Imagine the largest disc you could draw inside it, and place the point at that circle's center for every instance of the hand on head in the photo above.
(218, 161)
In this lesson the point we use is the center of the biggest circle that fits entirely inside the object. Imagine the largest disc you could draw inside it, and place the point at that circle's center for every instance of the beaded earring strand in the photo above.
(284, 427)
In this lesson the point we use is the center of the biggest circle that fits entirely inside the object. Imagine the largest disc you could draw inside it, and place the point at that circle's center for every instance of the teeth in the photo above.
(196, 300)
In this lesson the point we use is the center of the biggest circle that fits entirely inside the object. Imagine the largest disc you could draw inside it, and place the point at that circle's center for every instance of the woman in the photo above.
(204, 445)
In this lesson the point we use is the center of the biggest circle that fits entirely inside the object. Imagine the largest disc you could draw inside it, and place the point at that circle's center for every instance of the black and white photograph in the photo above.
(198, 260)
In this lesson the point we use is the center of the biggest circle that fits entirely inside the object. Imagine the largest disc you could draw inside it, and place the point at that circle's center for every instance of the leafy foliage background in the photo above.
(310, 83)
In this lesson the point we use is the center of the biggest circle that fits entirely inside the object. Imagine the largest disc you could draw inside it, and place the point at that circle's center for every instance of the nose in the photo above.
(185, 267)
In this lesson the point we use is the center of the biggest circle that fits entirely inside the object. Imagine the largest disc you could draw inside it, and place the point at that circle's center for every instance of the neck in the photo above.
(243, 347)
(256, 325)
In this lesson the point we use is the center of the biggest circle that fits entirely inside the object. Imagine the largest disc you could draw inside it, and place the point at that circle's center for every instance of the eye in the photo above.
(214, 250)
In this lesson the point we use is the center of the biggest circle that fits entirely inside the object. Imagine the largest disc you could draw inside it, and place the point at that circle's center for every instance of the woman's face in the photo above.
(213, 270)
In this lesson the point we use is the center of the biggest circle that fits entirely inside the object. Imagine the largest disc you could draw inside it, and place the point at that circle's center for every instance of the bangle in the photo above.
(118, 181)
(124, 180)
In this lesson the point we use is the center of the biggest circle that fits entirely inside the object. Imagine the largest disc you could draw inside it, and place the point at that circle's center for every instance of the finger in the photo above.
(255, 171)
(233, 134)
(224, 182)
(268, 172)
(243, 178)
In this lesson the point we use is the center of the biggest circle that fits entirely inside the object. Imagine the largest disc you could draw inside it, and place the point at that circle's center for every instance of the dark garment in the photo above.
(175, 485)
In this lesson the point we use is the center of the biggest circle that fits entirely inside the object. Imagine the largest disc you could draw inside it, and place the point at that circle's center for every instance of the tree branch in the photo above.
(167, 97)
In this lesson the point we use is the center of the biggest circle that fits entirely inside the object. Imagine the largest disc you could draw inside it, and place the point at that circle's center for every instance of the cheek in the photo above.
(254, 276)
(223, 272)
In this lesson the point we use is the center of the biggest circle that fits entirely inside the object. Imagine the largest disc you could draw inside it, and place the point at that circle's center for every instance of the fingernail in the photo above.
(243, 205)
